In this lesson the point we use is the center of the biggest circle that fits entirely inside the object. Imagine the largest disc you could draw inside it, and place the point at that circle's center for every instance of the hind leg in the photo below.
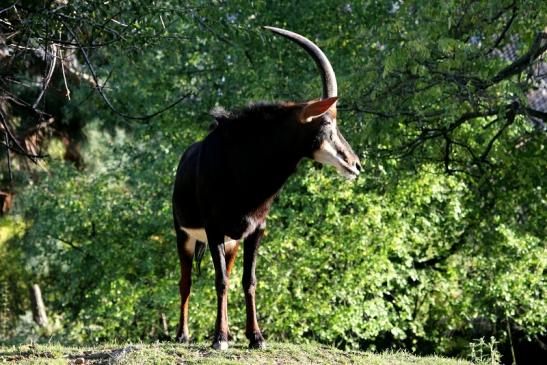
(185, 247)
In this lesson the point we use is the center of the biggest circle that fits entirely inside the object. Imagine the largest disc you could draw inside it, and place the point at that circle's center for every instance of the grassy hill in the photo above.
(170, 353)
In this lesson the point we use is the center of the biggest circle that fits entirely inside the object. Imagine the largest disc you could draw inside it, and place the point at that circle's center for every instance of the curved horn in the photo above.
(330, 89)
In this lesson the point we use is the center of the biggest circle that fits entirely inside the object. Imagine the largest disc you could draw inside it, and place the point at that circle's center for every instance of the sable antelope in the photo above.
(226, 183)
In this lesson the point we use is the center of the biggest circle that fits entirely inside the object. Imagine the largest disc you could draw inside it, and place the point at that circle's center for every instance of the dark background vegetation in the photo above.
(440, 242)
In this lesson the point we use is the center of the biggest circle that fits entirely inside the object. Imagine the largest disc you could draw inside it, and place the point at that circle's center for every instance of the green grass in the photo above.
(171, 353)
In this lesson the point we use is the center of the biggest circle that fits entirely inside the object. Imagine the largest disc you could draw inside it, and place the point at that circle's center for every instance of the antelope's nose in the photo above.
(358, 166)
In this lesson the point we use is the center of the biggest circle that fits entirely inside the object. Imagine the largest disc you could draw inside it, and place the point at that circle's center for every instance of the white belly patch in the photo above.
(200, 235)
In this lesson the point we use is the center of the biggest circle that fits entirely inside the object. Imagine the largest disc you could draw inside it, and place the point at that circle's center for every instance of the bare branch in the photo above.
(99, 88)
(537, 114)
(6, 141)
(19, 150)
(536, 50)
(510, 119)
(500, 38)
(64, 75)
(447, 151)
(49, 74)
(9, 7)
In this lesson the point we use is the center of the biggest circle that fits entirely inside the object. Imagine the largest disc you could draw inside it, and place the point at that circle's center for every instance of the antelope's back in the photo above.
(185, 204)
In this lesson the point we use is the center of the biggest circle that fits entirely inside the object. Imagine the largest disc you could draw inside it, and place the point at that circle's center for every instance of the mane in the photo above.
(252, 114)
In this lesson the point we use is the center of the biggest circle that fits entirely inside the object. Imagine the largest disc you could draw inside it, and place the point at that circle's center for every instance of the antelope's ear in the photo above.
(315, 109)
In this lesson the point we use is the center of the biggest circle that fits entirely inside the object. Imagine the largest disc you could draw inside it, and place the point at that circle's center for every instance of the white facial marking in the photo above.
(327, 154)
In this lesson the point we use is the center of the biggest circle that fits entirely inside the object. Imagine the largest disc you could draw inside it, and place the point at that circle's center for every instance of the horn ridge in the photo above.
(330, 88)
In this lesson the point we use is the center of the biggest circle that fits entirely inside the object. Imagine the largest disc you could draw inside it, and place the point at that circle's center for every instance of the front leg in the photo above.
(216, 246)
(252, 331)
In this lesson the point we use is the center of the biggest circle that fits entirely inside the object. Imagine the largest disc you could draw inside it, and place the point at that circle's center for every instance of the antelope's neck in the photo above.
(270, 160)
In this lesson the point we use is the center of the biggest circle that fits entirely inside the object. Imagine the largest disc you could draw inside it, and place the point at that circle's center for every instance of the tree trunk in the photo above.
(163, 328)
(38, 308)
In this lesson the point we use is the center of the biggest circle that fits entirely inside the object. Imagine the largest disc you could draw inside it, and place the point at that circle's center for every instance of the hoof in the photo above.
(257, 345)
(165, 338)
(256, 341)
(220, 345)
(183, 339)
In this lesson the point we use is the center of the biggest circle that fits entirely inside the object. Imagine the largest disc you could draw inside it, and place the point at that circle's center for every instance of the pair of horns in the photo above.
(330, 89)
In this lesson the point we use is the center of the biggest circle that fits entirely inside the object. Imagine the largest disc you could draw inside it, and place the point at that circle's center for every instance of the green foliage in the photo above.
(411, 255)
(13, 298)
(483, 352)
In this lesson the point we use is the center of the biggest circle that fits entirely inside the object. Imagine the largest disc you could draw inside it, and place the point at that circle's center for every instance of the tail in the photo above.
(198, 254)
